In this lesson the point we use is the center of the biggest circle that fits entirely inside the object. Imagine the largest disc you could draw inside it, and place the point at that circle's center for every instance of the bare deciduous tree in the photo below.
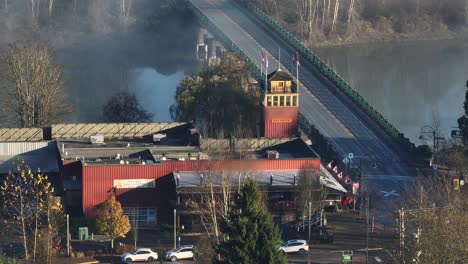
(51, 4)
(310, 191)
(433, 226)
(335, 14)
(350, 12)
(35, 82)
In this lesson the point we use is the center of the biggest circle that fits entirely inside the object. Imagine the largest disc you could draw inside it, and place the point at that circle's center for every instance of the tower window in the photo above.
(281, 87)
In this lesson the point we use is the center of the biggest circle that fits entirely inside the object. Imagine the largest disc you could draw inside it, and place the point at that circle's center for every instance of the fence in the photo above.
(20, 134)
(110, 130)
(241, 144)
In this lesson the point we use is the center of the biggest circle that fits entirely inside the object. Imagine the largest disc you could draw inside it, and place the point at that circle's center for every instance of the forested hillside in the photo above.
(342, 21)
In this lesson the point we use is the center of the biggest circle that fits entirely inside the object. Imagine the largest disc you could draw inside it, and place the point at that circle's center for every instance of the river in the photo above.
(412, 84)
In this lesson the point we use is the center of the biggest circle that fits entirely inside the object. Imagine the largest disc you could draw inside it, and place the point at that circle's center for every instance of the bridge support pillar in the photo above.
(202, 47)
(213, 52)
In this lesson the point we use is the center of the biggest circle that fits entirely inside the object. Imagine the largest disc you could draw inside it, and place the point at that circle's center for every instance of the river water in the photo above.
(412, 84)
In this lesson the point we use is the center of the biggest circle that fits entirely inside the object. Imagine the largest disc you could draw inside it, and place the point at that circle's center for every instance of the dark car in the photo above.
(323, 234)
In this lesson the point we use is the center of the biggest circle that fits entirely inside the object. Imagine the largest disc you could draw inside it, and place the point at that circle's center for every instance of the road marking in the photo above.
(386, 177)
(390, 193)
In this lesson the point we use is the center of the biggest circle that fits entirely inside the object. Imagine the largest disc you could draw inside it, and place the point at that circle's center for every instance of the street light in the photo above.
(428, 130)
(175, 228)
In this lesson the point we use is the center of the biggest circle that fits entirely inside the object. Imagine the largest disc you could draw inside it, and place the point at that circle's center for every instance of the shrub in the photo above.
(123, 248)
(5, 260)
(77, 254)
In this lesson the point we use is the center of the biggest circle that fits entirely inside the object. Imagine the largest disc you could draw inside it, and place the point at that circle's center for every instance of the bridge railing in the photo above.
(340, 83)
(319, 142)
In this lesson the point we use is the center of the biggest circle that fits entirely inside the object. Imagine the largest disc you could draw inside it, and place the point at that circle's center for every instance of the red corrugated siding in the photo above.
(98, 181)
(280, 129)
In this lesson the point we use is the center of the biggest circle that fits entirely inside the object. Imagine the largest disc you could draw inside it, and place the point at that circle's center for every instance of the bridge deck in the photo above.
(335, 119)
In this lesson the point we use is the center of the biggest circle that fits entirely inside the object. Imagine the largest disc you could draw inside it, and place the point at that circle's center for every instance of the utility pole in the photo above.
(367, 230)
(402, 230)
(68, 235)
(310, 204)
(175, 229)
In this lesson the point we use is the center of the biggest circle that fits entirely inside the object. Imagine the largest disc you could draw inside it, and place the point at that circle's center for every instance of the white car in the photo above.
(183, 252)
(141, 254)
(293, 246)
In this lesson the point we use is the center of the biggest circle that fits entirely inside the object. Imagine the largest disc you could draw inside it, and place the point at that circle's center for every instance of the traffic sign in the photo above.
(355, 187)
(345, 160)
(347, 256)
(350, 156)
(457, 133)
(435, 167)
(456, 184)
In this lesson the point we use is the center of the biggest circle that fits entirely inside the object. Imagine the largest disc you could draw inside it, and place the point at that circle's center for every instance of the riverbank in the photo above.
(390, 38)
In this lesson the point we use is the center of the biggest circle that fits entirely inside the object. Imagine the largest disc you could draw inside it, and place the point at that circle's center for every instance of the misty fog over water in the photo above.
(105, 49)
(155, 91)
(411, 84)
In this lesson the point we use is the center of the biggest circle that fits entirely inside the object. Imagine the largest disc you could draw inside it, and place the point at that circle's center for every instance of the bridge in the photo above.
(323, 102)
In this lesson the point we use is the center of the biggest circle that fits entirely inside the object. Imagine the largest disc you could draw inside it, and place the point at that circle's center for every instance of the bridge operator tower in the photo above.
(280, 106)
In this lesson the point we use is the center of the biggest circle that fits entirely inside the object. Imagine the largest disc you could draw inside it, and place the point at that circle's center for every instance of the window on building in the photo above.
(276, 196)
(269, 100)
(275, 100)
(294, 101)
(141, 216)
(288, 100)
(281, 100)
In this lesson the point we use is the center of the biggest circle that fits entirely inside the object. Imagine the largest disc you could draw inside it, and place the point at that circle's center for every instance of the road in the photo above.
(335, 119)
(312, 257)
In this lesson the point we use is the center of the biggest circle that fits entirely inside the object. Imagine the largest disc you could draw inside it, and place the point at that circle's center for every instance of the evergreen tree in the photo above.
(465, 104)
(252, 235)
(463, 120)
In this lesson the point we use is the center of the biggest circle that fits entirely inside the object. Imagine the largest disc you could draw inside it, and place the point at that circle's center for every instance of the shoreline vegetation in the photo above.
(392, 39)
(326, 23)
